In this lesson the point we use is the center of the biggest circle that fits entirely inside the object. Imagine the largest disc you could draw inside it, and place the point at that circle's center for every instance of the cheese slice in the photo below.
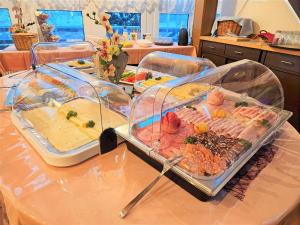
(65, 135)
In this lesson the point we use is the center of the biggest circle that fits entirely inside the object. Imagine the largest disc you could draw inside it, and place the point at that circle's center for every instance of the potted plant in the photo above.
(23, 40)
(110, 59)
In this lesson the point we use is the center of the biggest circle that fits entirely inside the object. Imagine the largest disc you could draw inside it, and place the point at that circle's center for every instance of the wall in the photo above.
(270, 15)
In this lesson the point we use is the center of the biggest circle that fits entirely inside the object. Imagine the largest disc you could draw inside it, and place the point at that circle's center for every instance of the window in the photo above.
(68, 25)
(5, 24)
(125, 22)
(170, 24)
(219, 9)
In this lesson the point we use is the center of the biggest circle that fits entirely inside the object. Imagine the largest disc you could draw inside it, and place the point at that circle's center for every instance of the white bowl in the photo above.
(144, 43)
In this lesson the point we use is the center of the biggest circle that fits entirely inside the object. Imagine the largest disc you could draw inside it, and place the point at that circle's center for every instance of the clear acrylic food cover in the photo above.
(159, 67)
(211, 118)
(78, 54)
(67, 112)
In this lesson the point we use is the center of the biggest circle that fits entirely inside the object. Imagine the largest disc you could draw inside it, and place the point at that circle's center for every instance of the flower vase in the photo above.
(119, 62)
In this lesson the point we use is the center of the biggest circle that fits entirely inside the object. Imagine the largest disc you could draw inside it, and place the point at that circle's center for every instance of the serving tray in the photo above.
(208, 186)
(48, 152)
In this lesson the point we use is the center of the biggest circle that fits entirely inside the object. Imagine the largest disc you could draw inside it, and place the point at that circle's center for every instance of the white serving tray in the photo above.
(48, 153)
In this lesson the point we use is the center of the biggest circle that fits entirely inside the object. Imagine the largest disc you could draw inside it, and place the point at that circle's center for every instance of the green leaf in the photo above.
(265, 123)
(246, 144)
(103, 62)
(90, 124)
(190, 140)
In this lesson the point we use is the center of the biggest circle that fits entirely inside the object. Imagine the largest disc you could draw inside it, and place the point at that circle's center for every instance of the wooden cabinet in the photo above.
(219, 52)
(217, 60)
(283, 62)
(291, 87)
(285, 67)
(238, 53)
(212, 47)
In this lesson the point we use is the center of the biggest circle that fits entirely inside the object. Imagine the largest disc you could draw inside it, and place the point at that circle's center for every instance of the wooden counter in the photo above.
(259, 44)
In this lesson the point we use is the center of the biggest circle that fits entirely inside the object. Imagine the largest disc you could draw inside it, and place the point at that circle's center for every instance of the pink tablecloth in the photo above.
(34, 193)
(12, 60)
(136, 53)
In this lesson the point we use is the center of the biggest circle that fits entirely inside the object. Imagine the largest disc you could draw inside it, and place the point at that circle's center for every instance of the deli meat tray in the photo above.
(217, 127)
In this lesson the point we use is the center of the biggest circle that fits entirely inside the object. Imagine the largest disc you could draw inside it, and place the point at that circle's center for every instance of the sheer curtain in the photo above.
(149, 9)
(177, 6)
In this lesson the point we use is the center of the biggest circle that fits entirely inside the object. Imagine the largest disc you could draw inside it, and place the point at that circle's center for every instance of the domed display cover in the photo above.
(216, 120)
(63, 115)
(160, 67)
(75, 54)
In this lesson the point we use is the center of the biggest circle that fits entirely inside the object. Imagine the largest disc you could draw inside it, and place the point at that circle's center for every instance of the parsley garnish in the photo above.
(265, 123)
(90, 124)
(246, 144)
(80, 61)
(71, 113)
(190, 140)
(190, 107)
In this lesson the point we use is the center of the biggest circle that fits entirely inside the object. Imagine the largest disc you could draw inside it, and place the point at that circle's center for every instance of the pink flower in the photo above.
(104, 43)
(104, 53)
(115, 39)
(104, 18)
(110, 71)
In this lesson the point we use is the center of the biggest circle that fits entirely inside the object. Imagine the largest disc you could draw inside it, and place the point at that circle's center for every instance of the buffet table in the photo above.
(136, 53)
(13, 60)
(94, 191)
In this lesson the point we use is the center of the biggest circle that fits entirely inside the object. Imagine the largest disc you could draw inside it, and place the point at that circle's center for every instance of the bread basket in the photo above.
(24, 41)
(228, 26)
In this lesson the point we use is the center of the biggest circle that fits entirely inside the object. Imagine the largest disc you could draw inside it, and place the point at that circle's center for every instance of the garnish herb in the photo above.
(71, 113)
(190, 140)
(90, 124)
(238, 104)
(127, 74)
(190, 107)
(80, 61)
(265, 123)
(158, 78)
(246, 144)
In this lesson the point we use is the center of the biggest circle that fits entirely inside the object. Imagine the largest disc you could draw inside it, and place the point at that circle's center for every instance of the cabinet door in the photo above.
(291, 88)
(213, 47)
(217, 60)
(238, 53)
(283, 62)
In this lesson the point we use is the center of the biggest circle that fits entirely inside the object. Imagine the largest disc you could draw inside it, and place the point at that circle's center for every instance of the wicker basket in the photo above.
(24, 41)
(226, 26)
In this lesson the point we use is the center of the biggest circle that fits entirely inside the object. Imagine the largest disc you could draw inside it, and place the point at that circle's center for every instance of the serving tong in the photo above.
(168, 164)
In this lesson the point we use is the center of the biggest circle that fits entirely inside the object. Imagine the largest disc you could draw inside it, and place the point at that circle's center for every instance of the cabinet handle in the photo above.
(212, 47)
(238, 53)
(287, 62)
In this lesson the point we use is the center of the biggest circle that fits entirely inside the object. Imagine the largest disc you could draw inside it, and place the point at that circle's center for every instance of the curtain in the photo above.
(177, 6)
(126, 5)
(165, 6)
